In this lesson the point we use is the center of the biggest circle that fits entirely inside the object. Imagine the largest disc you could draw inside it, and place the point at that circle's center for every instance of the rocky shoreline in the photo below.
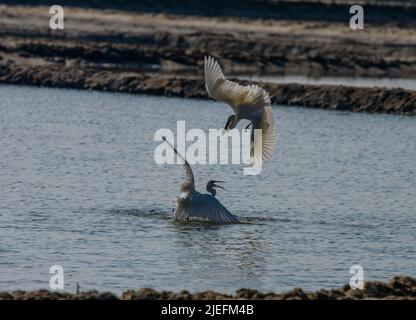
(398, 288)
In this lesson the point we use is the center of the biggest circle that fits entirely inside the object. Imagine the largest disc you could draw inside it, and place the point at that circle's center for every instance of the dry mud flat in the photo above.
(177, 43)
(403, 288)
(397, 11)
(162, 54)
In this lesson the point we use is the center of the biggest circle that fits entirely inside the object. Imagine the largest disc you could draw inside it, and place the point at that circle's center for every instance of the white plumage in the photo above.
(193, 205)
(248, 102)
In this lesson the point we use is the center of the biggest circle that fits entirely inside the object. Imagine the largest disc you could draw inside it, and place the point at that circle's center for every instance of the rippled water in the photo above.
(79, 188)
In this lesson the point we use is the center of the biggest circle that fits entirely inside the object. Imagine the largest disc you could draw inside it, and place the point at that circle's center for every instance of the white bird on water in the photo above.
(248, 102)
(193, 205)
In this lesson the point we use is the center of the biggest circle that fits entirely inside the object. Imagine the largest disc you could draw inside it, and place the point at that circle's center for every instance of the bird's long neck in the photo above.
(211, 190)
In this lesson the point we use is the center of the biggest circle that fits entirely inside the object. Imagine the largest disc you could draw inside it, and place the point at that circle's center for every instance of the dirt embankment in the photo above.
(163, 55)
(403, 288)
(377, 11)
(393, 101)
(172, 43)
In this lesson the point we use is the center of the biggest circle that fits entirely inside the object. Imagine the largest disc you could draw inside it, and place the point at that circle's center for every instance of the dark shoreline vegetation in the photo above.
(162, 54)
(401, 288)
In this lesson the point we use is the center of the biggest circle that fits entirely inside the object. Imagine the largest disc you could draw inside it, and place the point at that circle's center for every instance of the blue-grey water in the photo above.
(79, 188)
(408, 84)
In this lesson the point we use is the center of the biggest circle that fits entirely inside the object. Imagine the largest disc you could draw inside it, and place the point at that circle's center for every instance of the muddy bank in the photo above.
(380, 100)
(177, 43)
(403, 288)
(377, 11)
(162, 54)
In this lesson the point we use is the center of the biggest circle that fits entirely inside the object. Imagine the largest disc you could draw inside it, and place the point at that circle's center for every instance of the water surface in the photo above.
(79, 187)
(409, 84)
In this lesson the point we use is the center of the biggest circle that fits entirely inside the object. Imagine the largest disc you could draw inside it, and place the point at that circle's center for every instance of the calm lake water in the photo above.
(409, 84)
(79, 187)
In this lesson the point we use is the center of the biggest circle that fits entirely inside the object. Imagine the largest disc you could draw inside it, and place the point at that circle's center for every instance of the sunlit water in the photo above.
(408, 84)
(79, 187)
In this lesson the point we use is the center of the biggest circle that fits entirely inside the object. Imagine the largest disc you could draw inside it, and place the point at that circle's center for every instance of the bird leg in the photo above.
(252, 143)
(227, 125)
(251, 138)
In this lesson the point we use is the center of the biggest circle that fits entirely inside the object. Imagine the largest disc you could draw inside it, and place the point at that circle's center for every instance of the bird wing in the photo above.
(267, 123)
(237, 96)
(203, 207)
(189, 183)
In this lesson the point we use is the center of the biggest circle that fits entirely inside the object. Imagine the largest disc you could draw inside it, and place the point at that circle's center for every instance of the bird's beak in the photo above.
(217, 186)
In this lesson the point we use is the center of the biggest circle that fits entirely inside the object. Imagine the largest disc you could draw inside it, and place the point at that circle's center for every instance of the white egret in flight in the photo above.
(192, 205)
(248, 102)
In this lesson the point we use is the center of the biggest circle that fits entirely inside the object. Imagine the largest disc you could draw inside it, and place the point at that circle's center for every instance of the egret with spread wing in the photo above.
(248, 102)
(192, 205)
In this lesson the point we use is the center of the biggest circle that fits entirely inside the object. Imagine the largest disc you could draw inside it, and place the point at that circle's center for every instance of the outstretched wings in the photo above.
(237, 96)
(249, 102)
(267, 123)
(203, 207)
